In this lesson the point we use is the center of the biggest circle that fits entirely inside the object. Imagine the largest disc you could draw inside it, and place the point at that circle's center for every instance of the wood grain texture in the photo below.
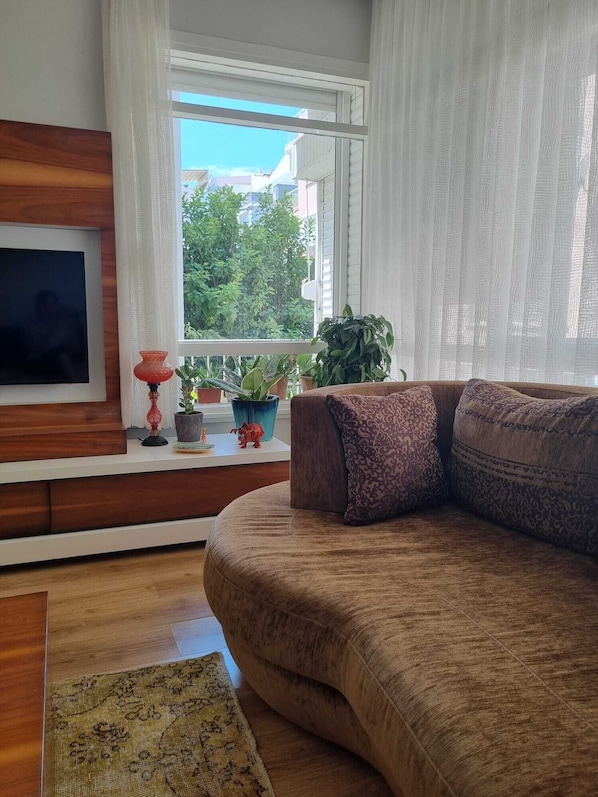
(24, 509)
(87, 150)
(80, 417)
(23, 634)
(123, 611)
(21, 173)
(61, 206)
(54, 176)
(66, 443)
(104, 501)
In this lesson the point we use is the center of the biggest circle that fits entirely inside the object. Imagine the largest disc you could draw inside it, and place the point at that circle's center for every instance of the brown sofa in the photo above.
(458, 656)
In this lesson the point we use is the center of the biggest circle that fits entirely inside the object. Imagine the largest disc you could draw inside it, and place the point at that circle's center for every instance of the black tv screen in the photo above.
(43, 326)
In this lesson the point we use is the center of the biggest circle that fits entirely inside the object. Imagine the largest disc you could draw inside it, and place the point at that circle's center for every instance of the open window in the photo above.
(271, 183)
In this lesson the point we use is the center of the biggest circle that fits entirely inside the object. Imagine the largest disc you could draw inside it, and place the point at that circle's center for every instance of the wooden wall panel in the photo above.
(63, 177)
(24, 509)
(105, 501)
(87, 150)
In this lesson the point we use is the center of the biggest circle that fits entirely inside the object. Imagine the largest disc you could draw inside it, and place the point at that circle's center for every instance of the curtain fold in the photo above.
(136, 36)
(481, 223)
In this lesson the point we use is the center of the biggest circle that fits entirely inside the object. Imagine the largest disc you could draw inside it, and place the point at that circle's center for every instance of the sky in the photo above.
(229, 149)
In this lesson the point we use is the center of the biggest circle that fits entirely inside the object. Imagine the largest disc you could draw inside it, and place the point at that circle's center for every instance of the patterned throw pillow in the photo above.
(393, 465)
(528, 463)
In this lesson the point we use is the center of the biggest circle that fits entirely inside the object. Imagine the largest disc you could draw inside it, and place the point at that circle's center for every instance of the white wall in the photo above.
(333, 28)
(51, 50)
(51, 63)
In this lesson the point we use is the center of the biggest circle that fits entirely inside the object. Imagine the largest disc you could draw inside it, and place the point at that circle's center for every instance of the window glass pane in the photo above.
(258, 230)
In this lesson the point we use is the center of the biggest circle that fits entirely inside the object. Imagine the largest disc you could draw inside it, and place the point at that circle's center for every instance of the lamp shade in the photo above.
(153, 369)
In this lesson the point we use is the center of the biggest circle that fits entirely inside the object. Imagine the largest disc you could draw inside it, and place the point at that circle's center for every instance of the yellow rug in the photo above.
(174, 730)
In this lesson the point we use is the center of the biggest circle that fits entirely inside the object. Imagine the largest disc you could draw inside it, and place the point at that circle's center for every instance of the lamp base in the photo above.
(154, 440)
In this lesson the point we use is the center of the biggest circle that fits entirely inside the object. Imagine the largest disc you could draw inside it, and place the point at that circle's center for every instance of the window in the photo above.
(271, 176)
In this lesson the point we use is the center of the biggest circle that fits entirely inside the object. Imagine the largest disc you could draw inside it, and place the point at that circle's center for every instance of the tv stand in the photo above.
(50, 509)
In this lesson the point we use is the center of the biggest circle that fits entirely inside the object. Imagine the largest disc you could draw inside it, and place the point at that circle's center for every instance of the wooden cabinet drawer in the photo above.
(24, 509)
(105, 501)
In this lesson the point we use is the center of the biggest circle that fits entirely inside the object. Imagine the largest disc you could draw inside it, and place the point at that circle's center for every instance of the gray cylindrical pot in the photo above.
(188, 426)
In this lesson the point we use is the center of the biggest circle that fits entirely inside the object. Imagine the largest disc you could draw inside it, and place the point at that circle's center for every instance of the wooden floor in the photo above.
(129, 610)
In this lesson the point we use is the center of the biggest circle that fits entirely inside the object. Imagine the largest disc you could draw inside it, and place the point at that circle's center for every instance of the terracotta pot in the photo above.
(208, 395)
(188, 426)
(307, 382)
(280, 388)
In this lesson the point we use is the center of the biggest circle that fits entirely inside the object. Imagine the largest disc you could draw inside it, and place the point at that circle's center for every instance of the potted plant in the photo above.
(281, 366)
(305, 369)
(189, 421)
(205, 392)
(252, 401)
(357, 349)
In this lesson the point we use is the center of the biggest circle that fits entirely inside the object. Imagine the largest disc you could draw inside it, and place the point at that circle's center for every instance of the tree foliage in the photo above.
(244, 280)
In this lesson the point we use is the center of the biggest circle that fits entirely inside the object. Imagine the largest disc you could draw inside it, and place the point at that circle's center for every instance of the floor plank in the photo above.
(130, 610)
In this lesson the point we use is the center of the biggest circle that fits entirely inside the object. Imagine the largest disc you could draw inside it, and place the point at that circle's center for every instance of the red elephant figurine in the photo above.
(249, 433)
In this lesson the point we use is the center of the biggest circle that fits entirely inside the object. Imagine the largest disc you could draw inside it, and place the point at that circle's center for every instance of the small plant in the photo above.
(280, 365)
(235, 368)
(357, 349)
(189, 375)
(253, 387)
(205, 374)
(305, 371)
(306, 364)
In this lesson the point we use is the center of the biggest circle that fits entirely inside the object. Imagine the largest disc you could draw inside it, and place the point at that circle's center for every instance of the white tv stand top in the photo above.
(145, 459)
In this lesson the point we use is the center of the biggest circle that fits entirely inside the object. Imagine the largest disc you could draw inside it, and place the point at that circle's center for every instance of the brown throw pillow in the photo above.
(393, 465)
(528, 463)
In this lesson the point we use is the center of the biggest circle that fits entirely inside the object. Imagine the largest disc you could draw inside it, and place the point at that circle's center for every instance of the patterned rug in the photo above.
(174, 730)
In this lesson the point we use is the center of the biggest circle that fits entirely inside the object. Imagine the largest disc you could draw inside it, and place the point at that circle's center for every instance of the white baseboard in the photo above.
(95, 541)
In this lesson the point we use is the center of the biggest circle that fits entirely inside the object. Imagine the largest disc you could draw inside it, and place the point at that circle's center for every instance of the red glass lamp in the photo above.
(154, 370)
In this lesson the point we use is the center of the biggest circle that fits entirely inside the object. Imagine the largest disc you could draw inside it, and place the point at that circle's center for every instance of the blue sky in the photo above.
(228, 149)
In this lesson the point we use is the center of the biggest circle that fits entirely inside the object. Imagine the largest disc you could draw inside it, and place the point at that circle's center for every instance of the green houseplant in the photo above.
(281, 366)
(252, 401)
(188, 422)
(357, 349)
(305, 370)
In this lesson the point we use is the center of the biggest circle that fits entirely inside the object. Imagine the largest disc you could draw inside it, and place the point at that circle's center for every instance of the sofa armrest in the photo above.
(318, 473)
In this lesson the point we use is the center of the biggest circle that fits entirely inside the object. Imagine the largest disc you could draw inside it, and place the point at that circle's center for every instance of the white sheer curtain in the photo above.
(482, 187)
(137, 84)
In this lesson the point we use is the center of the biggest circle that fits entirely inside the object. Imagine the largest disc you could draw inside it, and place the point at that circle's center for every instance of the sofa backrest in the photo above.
(318, 473)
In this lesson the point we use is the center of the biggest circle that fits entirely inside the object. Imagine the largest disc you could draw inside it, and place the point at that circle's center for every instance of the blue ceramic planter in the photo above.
(262, 412)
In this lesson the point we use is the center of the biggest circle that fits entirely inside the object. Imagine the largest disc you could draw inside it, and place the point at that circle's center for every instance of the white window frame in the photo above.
(188, 77)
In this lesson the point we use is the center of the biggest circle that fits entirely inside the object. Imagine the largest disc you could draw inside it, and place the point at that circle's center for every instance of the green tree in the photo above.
(211, 272)
(244, 280)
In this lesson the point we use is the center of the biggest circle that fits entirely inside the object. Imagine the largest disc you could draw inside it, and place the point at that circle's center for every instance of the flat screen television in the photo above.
(43, 325)
(51, 315)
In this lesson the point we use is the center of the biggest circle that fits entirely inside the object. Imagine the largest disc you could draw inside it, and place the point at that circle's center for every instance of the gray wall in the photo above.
(333, 28)
(51, 63)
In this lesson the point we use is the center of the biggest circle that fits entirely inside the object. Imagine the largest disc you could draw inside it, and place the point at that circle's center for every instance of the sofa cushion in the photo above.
(530, 464)
(393, 464)
(467, 653)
